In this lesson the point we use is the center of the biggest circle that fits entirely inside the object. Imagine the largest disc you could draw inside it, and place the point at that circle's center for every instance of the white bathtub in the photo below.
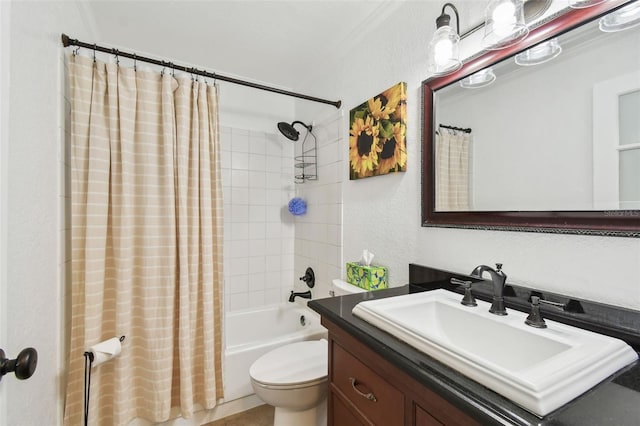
(251, 333)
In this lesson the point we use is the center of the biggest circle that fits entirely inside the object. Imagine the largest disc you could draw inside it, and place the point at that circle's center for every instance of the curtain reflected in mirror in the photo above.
(452, 168)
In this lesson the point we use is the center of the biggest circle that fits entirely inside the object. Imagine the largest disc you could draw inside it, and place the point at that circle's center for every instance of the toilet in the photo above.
(293, 377)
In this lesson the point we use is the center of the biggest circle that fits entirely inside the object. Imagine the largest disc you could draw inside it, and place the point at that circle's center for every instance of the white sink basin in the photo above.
(539, 369)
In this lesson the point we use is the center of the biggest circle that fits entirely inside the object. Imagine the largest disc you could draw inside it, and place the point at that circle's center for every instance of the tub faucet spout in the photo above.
(499, 279)
(305, 295)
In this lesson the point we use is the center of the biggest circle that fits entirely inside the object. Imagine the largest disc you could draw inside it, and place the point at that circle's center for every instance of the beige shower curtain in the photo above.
(146, 242)
(452, 170)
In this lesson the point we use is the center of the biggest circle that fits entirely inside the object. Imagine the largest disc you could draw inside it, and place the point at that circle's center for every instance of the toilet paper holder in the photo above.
(23, 366)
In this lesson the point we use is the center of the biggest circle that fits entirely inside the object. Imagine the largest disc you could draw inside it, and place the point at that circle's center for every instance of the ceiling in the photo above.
(276, 42)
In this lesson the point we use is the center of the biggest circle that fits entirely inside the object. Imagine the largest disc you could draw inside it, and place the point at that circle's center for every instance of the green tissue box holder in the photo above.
(367, 277)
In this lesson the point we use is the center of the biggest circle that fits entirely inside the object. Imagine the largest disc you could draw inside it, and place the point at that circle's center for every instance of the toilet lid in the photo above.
(294, 363)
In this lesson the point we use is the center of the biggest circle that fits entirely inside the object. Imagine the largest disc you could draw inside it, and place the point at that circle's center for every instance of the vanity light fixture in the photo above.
(539, 53)
(443, 51)
(622, 19)
(480, 79)
(581, 4)
(504, 24)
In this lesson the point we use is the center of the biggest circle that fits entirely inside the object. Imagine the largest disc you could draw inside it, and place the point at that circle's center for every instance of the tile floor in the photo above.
(258, 416)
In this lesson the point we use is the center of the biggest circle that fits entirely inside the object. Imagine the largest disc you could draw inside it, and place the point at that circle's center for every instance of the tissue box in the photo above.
(367, 277)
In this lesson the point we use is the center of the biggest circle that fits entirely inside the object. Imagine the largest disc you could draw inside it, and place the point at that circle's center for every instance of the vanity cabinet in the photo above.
(366, 389)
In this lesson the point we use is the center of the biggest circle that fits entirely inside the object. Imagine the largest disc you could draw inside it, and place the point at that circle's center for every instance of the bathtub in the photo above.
(251, 333)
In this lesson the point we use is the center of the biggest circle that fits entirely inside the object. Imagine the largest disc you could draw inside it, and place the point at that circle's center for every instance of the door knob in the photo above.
(23, 366)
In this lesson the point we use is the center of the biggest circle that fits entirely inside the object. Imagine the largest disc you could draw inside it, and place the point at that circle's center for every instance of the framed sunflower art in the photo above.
(377, 135)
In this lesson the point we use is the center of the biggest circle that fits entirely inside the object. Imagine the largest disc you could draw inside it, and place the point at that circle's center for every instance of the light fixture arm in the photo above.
(445, 19)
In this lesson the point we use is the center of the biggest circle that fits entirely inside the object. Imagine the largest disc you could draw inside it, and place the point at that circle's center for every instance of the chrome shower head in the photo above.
(289, 131)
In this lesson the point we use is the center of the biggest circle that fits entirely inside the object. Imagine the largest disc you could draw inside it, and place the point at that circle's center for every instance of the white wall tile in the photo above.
(259, 235)
(257, 143)
(239, 140)
(257, 162)
(239, 178)
(256, 299)
(274, 197)
(275, 164)
(257, 265)
(237, 301)
(239, 231)
(240, 196)
(257, 230)
(273, 280)
(238, 266)
(239, 213)
(273, 297)
(257, 196)
(257, 213)
(257, 247)
(239, 160)
(237, 248)
(256, 282)
(318, 235)
(225, 158)
(237, 284)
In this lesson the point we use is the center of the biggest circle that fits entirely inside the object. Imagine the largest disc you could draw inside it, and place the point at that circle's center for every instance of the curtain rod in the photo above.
(67, 41)
(467, 130)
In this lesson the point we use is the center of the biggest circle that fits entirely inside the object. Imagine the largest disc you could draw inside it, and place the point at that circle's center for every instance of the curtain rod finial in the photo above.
(65, 40)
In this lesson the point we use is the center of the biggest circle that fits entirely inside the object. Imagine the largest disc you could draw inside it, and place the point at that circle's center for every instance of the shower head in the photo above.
(289, 131)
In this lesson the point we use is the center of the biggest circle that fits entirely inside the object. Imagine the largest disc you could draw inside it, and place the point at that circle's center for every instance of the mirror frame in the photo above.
(624, 223)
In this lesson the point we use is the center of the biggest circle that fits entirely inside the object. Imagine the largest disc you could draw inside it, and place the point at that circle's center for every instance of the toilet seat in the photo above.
(300, 364)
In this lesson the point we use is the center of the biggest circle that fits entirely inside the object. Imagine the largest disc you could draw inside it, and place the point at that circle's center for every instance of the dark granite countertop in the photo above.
(615, 401)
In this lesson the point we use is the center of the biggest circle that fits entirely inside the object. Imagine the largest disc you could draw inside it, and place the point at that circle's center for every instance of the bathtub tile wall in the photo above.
(257, 179)
(318, 238)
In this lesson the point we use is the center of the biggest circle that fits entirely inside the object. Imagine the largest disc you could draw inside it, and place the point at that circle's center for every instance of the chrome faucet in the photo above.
(305, 295)
(499, 279)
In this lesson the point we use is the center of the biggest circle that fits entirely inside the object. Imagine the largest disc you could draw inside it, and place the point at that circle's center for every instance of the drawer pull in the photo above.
(370, 396)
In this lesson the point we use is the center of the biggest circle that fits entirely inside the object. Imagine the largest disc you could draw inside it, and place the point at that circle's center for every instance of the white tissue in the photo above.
(105, 351)
(367, 258)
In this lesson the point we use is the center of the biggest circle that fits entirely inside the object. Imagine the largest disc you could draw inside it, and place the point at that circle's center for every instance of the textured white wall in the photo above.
(382, 214)
(5, 10)
(34, 191)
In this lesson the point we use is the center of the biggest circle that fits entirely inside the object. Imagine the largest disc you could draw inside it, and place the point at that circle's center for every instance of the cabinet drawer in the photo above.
(376, 399)
(423, 418)
(341, 415)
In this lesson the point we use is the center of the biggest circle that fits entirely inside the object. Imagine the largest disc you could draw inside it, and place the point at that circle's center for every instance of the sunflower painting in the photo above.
(377, 134)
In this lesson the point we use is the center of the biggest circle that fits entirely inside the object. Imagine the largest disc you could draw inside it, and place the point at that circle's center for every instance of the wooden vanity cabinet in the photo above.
(365, 389)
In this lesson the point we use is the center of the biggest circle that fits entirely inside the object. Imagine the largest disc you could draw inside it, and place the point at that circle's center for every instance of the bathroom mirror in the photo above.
(551, 147)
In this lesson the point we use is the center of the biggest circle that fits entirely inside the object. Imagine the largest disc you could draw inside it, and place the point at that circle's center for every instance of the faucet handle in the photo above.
(498, 267)
(468, 299)
(535, 317)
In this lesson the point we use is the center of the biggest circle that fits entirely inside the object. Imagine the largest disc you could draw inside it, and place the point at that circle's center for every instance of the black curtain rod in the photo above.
(455, 128)
(67, 41)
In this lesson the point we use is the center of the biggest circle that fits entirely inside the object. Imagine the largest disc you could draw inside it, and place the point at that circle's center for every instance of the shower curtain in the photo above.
(452, 169)
(146, 242)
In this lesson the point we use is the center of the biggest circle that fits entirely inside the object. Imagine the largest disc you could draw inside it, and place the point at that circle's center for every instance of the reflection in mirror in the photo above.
(559, 132)
(549, 145)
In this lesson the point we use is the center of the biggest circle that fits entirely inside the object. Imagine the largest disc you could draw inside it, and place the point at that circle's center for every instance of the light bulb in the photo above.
(443, 50)
(503, 12)
(504, 18)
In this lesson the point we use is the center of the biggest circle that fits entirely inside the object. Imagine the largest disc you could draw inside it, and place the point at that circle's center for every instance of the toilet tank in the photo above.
(341, 287)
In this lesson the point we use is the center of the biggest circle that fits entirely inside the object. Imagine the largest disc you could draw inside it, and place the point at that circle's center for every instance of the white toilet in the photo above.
(293, 377)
